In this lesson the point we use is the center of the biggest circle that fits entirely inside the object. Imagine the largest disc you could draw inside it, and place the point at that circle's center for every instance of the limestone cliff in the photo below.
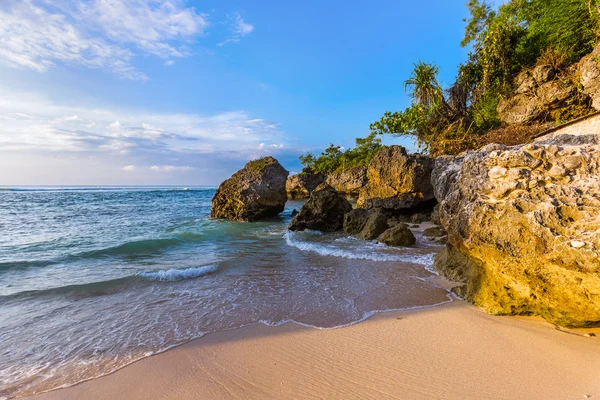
(523, 227)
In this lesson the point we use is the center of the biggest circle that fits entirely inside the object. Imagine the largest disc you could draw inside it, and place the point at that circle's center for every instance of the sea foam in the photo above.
(179, 274)
(364, 251)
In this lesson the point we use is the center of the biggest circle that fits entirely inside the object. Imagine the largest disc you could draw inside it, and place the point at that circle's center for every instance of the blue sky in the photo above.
(155, 92)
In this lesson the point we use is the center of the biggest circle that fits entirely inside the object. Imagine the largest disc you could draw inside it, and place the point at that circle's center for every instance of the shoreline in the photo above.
(381, 357)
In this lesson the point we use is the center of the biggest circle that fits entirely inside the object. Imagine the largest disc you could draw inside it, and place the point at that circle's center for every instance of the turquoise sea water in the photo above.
(92, 279)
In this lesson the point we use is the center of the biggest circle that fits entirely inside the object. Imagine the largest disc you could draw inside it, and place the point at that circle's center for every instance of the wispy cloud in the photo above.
(105, 34)
(138, 145)
(240, 29)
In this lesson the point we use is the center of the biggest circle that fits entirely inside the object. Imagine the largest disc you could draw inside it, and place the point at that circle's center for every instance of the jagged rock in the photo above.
(323, 211)
(355, 220)
(542, 73)
(527, 219)
(398, 235)
(524, 82)
(527, 107)
(376, 224)
(254, 192)
(300, 186)
(396, 180)
(348, 181)
(434, 231)
(294, 212)
(589, 68)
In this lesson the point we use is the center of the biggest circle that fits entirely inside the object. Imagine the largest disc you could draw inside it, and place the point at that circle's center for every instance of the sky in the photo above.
(174, 92)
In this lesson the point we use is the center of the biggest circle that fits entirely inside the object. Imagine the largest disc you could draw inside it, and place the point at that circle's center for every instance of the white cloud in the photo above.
(168, 63)
(240, 29)
(127, 141)
(35, 34)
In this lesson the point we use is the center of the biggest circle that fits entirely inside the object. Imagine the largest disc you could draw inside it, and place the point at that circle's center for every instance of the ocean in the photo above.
(93, 279)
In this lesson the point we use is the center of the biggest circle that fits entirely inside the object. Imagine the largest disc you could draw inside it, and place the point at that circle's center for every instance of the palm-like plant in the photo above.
(423, 85)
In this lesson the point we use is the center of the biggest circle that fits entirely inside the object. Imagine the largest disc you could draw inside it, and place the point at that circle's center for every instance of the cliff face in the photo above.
(396, 180)
(349, 181)
(546, 94)
(523, 227)
(301, 185)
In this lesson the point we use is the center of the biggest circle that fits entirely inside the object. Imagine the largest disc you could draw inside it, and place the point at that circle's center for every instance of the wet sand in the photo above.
(452, 351)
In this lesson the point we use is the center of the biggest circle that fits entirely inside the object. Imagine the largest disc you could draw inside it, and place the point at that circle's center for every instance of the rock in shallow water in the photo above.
(376, 224)
(516, 236)
(256, 191)
(398, 235)
(324, 211)
(355, 220)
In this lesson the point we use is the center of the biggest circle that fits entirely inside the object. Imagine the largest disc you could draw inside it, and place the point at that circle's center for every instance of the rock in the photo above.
(435, 215)
(294, 212)
(454, 265)
(524, 82)
(538, 104)
(396, 180)
(589, 68)
(434, 231)
(355, 220)
(542, 73)
(375, 226)
(323, 211)
(300, 186)
(529, 234)
(348, 181)
(420, 217)
(398, 235)
(256, 191)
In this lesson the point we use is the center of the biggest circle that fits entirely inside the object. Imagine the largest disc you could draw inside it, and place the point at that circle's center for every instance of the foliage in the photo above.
(504, 41)
(332, 158)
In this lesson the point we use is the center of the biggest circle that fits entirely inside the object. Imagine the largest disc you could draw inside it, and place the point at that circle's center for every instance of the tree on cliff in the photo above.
(504, 42)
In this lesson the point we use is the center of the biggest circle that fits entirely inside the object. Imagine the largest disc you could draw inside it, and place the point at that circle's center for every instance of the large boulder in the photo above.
(300, 186)
(398, 235)
(355, 220)
(376, 224)
(523, 225)
(323, 211)
(397, 180)
(348, 181)
(589, 69)
(254, 192)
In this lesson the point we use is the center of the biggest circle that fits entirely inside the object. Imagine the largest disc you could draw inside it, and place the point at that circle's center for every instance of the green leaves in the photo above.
(332, 158)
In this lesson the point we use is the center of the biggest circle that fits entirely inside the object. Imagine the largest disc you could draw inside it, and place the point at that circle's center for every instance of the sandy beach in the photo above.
(452, 351)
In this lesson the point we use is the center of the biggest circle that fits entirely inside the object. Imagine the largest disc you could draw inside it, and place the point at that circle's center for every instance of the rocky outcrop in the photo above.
(376, 224)
(398, 235)
(300, 186)
(536, 101)
(589, 69)
(396, 180)
(254, 192)
(355, 220)
(323, 211)
(365, 224)
(348, 181)
(523, 226)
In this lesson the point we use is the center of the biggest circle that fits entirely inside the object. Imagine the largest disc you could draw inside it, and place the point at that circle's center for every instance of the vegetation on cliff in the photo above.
(333, 158)
(505, 42)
